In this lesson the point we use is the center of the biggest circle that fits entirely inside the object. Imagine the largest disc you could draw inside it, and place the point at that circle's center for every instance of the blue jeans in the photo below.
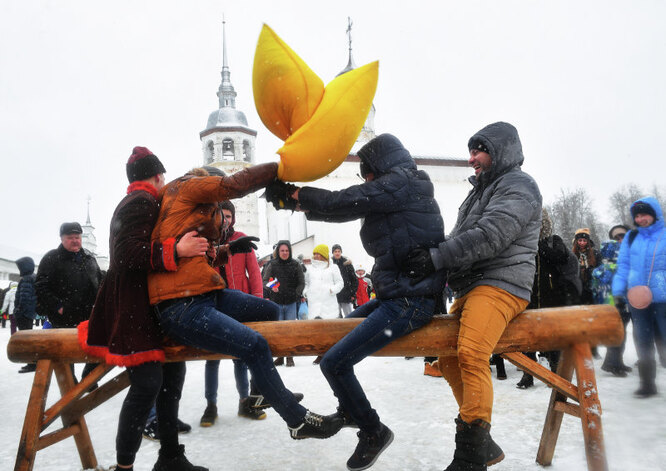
(213, 321)
(288, 312)
(646, 321)
(398, 316)
(212, 379)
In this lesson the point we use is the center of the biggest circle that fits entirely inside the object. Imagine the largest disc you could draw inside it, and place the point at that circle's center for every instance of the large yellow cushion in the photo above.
(318, 132)
(286, 90)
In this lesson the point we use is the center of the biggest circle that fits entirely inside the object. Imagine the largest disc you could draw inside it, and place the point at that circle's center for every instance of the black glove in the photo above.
(278, 193)
(243, 244)
(418, 265)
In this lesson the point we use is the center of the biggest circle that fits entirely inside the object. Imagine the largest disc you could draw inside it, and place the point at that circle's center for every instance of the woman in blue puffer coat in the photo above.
(642, 261)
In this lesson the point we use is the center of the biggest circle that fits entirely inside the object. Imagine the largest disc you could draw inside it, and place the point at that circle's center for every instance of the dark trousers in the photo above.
(150, 383)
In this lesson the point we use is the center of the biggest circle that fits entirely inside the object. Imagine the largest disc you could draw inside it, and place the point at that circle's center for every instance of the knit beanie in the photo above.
(583, 233)
(143, 164)
(321, 249)
(476, 143)
(641, 207)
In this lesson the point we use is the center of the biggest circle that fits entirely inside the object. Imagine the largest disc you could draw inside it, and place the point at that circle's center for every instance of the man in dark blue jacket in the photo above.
(25, 304)
(399, 214)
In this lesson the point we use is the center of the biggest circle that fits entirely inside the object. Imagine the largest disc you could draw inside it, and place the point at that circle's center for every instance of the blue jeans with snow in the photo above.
(386, 320)
(213, 321)
(288, 312)
(645, 322)
(212, 379)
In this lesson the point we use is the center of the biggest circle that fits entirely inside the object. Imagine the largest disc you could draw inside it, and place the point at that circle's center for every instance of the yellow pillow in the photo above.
(319, 129)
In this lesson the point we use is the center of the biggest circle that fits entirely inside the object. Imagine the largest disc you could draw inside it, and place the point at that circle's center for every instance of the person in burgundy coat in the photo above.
(122, 328)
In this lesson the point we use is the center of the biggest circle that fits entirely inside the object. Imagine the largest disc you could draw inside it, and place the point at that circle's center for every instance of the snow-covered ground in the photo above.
(419, 410)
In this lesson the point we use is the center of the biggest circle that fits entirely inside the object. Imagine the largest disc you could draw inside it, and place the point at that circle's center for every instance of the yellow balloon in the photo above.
(319, 125)
(322, 144)
(286, 90)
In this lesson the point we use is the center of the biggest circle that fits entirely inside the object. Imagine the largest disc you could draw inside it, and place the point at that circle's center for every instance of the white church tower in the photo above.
(229, 144)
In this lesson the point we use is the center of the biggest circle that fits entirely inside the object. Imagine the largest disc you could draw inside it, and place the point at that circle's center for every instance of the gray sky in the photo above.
(82, 82)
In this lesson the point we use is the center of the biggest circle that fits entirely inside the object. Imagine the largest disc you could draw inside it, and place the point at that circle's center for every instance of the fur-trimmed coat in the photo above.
(123, 328)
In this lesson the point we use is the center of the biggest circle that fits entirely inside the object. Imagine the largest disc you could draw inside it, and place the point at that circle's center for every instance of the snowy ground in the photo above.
(419, 410)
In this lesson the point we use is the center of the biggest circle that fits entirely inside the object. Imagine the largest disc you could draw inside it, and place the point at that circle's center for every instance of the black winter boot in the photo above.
(498, 361)
(176, 463)
(527, 381)
(472, 441)
(647, 370)
(370, 446)
(347, 420)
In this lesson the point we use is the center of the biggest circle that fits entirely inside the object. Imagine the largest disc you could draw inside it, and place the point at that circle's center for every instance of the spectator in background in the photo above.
(556, 283)
(364, 290)
(241, 272)
(25, 303)
(288, 282)
(642, 262)
(322, 282)
(8, 307)
(588, 259)
(67, 282)
(347, 294)
(602, 278)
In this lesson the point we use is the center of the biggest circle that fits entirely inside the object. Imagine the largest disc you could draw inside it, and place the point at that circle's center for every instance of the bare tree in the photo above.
(572, 210)
(621, 200)
(620, 203)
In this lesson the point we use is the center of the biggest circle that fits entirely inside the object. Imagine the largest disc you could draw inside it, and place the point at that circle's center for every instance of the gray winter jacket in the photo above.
(495, 239)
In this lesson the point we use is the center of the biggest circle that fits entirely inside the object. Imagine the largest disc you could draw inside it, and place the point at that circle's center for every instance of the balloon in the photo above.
(319, 125)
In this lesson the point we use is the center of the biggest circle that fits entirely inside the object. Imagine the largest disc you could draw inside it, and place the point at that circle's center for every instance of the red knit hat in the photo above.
(143, 164)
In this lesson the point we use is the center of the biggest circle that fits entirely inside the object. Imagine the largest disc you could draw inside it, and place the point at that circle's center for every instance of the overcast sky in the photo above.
(82, 82)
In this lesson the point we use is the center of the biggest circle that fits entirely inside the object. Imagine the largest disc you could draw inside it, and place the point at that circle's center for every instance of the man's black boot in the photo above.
(347, 421)
(316, 426)
(177, 462)
(370, 446)
(472, 441)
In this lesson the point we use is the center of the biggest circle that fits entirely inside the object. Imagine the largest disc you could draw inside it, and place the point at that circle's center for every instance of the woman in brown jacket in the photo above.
(195, 309)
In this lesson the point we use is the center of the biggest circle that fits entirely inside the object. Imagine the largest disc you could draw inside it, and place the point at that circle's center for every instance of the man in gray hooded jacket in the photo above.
(489, 256)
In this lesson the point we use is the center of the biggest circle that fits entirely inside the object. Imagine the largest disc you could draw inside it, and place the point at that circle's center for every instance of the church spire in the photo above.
(350, 62)
(226, 92)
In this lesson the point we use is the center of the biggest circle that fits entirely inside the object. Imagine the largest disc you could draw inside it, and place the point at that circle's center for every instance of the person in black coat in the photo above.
(25, 303)
(67, 280)
(397, 206)
(346, 297)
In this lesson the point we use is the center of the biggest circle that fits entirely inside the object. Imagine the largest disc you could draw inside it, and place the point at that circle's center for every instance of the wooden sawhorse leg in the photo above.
(577, 358)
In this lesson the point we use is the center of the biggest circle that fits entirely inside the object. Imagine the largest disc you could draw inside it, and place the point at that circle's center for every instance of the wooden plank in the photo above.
(551, 426)
(534, 330)
(100, 395)
(82, 437)
(568, 408)
(590, 408)
(27, 449)
(59, 435)
(542, 373)
(69, 398)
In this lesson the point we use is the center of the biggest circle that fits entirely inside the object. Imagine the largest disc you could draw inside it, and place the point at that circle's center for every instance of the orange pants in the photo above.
(484, 314)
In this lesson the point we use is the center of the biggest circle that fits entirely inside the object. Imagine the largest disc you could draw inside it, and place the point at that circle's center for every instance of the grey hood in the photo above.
(502, 141)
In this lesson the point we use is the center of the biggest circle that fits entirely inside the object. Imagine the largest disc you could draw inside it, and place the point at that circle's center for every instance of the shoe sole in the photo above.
(261, 416)
(207, 423)
(390, 440)
(495, 460)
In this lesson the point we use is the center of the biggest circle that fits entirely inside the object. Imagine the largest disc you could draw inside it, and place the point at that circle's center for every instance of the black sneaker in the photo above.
(347, 421)
(369, 447)
(244, 410)
(29, 368)
(258, 401)
(183, 427)
(176, 463)
(316, 426)
(151, 432)
(495, 453)
(209, 416)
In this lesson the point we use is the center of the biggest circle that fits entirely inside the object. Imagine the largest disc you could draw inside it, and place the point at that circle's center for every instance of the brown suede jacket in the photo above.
(190, 203)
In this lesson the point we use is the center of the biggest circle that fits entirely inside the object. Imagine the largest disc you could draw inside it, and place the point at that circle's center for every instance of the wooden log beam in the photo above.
(533, 330)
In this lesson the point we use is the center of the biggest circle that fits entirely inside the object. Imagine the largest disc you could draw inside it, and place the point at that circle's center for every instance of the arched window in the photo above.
(247, 151)
(228, 149)
(210, 152)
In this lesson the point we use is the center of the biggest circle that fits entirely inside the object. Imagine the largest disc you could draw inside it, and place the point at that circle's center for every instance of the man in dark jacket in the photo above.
(346, 296)
(490, 257)
(68, 279)
(399, 213)
(286, 292)
(25, 303)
